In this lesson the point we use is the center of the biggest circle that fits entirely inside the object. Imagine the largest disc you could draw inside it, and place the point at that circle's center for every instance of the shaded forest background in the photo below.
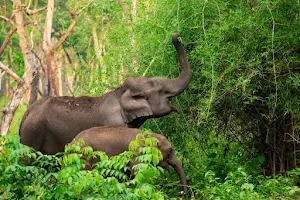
(242, 107)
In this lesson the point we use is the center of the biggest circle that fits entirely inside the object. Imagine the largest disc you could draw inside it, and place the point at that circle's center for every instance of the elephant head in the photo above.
(150, 97)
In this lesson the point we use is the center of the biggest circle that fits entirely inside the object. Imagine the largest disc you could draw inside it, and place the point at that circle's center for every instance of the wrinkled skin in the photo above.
(115, 140)
(52, 122)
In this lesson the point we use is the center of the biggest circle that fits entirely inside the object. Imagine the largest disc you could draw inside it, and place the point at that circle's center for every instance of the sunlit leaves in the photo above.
(147, 147)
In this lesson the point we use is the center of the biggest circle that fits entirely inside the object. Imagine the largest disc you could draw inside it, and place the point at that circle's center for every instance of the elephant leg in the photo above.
(131, 174)
(34, 137)
(174, 162)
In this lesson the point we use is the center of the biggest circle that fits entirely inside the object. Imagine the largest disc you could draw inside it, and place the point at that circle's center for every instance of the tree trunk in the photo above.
(34, 90)
(47, 48)
(2, 89)
(31, 65)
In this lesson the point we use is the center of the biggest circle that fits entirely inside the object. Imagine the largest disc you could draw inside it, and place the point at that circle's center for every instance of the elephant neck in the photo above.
(119, 92)
(112, 95)
(137, 123)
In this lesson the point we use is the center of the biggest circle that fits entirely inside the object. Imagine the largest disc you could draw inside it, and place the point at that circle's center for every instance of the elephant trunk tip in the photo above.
(175, 38)
(182, 193)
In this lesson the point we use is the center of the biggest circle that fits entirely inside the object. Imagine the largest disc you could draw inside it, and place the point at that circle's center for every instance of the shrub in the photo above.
(61, 176)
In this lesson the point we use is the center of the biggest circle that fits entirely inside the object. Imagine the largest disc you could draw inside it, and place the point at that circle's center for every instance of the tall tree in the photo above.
(32, 63)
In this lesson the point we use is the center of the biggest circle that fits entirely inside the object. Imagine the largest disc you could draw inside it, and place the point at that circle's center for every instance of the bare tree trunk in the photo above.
(31, 65)
(50, 50)
(47, 48)
(52, 74)
(11, 59)
(283, 156)
(2, 91)
(60, 62)
(274, 154)
(34, 90)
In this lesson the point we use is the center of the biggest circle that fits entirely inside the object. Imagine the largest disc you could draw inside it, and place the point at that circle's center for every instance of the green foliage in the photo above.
(240, 109)
(62, 176)
(240, 185)
(146, 145)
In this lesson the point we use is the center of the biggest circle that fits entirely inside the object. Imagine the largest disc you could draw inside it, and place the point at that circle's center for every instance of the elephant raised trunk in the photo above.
(177, 85)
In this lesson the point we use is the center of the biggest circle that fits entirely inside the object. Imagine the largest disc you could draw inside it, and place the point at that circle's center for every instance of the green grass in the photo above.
(14, 127)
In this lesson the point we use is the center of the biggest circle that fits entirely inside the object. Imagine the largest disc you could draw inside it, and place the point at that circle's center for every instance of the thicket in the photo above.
(239, 121)
(61, 176)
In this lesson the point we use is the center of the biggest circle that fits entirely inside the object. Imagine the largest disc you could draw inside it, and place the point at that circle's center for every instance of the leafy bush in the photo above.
(61, 176)
(240, 185)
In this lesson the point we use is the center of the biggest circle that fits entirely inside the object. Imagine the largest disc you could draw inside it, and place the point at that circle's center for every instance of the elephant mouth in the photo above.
(174, 108)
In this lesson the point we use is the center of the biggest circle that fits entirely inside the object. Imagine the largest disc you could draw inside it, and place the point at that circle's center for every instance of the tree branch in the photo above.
(294, 138)
(6, 40)
(2, 74)
(87, 5)
(71, 27)
(7, 20)
(11, 73)
(8, 35)
(64, 37)
(34, 11)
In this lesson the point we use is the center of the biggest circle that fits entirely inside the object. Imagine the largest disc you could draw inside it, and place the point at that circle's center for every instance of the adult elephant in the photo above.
(52, 122)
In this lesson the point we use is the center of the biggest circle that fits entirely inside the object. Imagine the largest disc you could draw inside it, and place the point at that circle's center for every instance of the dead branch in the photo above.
(64, 37)
(11, 73)
(294, 138)
(34, 11)
(8, 35)
(87, 5)
(71, 27)
(7, 20)
(6, 40)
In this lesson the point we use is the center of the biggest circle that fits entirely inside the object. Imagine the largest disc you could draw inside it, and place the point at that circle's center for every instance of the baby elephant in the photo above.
(115, 140)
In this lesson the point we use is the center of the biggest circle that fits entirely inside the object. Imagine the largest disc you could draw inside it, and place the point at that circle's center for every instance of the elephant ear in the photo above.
(134, 105)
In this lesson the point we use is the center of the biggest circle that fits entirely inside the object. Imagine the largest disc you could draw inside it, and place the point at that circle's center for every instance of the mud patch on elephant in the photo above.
(83, 103)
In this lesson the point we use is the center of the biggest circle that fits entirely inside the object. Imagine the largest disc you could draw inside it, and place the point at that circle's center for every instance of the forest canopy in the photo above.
(237, 133)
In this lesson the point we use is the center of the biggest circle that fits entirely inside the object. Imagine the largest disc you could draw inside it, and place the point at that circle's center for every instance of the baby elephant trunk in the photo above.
(174, 162)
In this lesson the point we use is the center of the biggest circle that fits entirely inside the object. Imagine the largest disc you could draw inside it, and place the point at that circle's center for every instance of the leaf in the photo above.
(292, 193)
(70, 180)
(155, 160)
(247, 186)
(212, 155)
(260, 159)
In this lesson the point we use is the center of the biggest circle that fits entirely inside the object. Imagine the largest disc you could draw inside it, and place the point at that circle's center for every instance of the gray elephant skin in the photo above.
(115, 140)
(52, 122)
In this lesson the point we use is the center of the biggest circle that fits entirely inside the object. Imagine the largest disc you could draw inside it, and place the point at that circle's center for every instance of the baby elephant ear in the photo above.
(134, 105)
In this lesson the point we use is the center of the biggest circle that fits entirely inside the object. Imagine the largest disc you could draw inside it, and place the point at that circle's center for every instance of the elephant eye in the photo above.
(137, 97)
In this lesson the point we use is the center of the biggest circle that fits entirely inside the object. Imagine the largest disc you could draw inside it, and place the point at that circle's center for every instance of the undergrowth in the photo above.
(61, 176)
